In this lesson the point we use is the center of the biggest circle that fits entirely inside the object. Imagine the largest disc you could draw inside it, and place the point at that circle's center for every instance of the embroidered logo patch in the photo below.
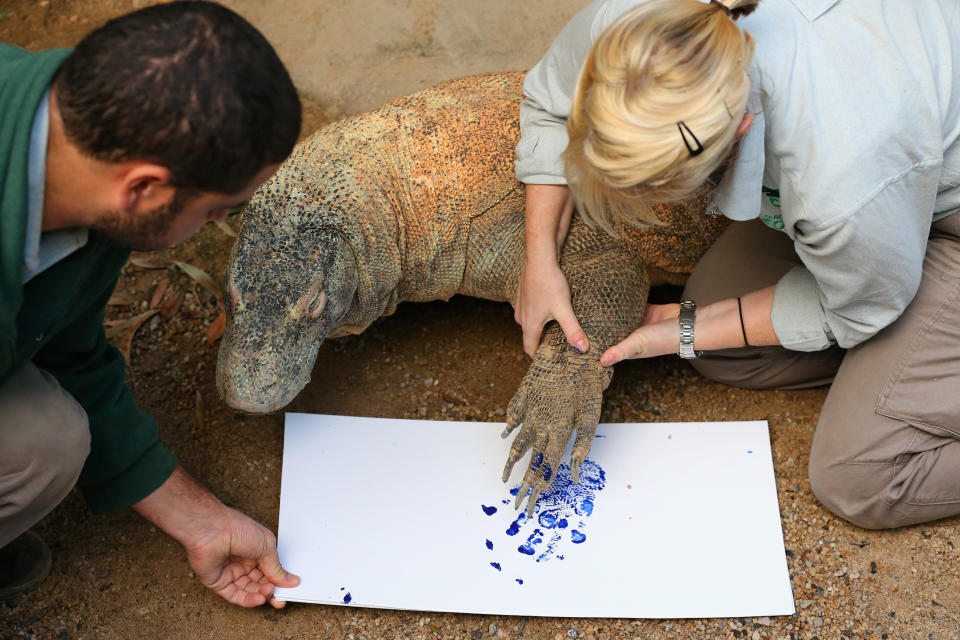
(770, 213)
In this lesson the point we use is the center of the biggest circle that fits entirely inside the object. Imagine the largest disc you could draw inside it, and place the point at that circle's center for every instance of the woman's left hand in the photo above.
(658, 335)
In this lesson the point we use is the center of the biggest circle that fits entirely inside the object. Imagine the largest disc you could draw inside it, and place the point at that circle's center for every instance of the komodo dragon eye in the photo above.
(311, 304)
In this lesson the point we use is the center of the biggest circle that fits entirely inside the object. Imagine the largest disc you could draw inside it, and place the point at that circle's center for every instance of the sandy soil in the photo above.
(117, 577)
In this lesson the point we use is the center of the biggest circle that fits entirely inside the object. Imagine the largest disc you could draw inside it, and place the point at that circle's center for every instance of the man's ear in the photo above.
(144, 186)
(744, 125)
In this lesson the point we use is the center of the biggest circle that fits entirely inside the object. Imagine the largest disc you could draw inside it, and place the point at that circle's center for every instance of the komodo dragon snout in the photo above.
(273, 332)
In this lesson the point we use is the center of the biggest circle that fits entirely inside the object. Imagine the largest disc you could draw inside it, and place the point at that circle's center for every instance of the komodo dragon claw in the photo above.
(561, 392)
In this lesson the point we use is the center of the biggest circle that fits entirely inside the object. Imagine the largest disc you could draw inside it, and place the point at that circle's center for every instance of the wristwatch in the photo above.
(687, 314)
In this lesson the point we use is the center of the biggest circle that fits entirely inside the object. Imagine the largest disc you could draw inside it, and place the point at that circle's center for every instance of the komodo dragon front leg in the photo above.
(562, 391)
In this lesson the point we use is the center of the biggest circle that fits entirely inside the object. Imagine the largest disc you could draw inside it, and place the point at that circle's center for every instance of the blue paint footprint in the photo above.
(564, 502)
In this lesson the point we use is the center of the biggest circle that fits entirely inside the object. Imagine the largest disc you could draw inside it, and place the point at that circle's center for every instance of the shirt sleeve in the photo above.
(548, 92)
(126, 461)
(861, 271)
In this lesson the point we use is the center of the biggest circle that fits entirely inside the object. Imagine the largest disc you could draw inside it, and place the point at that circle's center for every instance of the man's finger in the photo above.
(571, 329)
(274, 571)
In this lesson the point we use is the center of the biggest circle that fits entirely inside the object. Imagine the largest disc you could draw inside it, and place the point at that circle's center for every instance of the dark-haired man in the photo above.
(157, 122)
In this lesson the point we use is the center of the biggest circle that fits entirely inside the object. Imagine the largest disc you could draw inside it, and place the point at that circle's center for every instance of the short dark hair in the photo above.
(188, 85)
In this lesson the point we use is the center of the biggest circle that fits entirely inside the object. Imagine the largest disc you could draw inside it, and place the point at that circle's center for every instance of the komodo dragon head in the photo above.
(290, 284)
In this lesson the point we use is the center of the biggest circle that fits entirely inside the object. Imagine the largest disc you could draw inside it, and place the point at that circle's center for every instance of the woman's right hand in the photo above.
(543, 293)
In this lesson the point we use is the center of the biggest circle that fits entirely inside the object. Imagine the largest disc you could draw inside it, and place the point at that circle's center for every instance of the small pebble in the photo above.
(492, 630)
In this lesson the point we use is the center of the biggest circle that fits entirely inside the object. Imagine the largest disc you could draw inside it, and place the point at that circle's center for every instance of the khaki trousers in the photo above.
(44, 441)
(886, 451)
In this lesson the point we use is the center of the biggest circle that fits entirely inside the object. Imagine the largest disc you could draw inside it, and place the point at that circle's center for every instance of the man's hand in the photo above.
(240, 562)
(230, 553)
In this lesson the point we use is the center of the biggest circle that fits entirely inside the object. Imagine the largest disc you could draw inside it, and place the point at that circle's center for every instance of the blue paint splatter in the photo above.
(749, 451)
(342, 588)
(526, 549)
(489, 545)
(562, 523)
(505, 501)
(577, 537)
(519, 581)
(347, 598)
(489, 510)
(547, 471)
(495, 565)
(514, 527)
(515, 490)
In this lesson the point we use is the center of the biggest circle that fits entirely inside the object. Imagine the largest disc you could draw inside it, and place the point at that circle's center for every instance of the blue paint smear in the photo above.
(526, 549)
(347, 598)
(489, 510)
(495, 565)
(749, 451)
(537, 461)
(547, 472)
(577, 537)
(489, 545)
(519, 581)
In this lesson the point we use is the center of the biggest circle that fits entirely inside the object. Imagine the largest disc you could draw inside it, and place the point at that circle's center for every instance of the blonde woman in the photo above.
(836, 126)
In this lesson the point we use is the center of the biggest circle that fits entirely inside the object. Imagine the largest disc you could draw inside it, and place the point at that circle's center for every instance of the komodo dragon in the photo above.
(418, 201)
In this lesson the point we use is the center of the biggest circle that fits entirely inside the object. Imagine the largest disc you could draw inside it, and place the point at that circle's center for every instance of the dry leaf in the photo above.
(161, 289)
(171, 304)
(119, 299)
(198, 412)
(124, 330)
(216, 328)
(113, 328)
(226, 228)
(147, 261)
(201, 277)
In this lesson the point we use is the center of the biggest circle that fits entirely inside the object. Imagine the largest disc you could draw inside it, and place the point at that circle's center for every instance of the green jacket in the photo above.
(56, 319)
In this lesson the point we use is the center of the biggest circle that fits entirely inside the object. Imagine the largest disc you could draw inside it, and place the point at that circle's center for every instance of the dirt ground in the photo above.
(117, 577)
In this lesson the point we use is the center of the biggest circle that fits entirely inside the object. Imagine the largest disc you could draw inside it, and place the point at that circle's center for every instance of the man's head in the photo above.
(186, 96)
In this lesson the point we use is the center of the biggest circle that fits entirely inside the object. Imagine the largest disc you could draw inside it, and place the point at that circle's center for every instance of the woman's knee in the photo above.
(849, 491)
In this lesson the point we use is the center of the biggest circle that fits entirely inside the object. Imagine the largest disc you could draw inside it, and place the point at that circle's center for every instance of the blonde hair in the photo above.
(667, 78)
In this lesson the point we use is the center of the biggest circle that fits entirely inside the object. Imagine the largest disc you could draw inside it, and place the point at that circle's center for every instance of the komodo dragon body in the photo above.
(418, 201)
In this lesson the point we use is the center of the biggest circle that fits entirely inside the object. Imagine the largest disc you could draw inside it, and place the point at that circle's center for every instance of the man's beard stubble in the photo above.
(146, 232)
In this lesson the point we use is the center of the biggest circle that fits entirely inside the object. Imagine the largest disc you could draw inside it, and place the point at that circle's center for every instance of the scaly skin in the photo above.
(418, 201)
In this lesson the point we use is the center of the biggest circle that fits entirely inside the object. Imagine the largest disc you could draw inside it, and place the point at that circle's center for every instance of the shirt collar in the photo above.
(738, 196)
(42, 250)
(813, 9)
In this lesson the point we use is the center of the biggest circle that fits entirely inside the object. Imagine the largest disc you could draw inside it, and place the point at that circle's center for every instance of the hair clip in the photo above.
(684, 132)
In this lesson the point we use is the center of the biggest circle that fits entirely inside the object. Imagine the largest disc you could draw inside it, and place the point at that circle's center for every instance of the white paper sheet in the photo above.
(670, 520)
